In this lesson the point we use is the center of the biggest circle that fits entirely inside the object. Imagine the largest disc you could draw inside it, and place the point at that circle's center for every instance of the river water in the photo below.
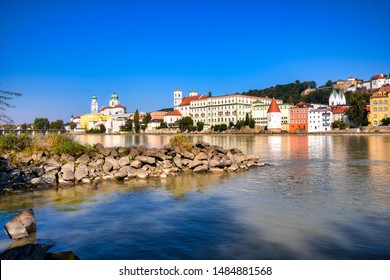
(325, 197)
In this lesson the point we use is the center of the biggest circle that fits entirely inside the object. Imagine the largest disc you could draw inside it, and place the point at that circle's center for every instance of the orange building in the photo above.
(299, 117)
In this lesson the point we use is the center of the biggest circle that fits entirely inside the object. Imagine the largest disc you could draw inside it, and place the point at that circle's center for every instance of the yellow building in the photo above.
(379, 105)
(91, 120)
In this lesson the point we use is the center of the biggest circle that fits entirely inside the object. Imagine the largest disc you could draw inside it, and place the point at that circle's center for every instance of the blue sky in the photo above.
(59, 53)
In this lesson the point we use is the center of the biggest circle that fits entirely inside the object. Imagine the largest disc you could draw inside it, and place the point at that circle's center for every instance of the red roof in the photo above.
(376, 77)
(339, 110)
(173, 113)
(382, 89)
(187, 100)
(273, 108)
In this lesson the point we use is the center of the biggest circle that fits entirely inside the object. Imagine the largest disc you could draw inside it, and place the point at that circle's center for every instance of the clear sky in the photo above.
(59, 53)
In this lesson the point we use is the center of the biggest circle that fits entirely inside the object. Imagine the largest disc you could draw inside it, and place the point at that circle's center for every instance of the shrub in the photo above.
(14, 142)
(181, 141)
(61, 144)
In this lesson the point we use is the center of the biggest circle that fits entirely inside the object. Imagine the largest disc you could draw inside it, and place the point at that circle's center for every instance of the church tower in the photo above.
(94, 104)
(177, 98)
(114, 100)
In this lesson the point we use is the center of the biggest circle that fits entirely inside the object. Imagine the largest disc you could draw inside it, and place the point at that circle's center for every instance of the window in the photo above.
(380, 102)
(385, 102)
(375, 103)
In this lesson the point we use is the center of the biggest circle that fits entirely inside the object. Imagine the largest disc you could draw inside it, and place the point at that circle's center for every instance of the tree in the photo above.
(41, 123)
(128, 126)
(385, 121)
(58, 125)
(5, 96)
(136, 121)
(357, 113)
(73, 125)
(185, 123)
(199, 126)
(329, 83)
(102, 128)
(147, 118)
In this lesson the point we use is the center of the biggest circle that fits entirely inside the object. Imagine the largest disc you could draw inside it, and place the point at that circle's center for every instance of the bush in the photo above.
(181, 141)
(61, 144)
(12, 142)
(338, 124)
(199, 126)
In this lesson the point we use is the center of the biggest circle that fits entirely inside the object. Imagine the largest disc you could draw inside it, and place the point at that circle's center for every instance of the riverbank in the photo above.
(42, 170)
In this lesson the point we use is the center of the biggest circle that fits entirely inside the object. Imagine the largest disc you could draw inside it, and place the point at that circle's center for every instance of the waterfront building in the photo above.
(299, 117)
(158, 115)
(339, 113)
(379, 105)
(319, 120)
(337, 98)
(378, 81)
(92, 120)
(259, 113)
(171, 118)
(274, 117)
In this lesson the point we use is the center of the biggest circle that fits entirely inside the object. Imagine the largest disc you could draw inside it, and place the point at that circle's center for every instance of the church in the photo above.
(112, 116)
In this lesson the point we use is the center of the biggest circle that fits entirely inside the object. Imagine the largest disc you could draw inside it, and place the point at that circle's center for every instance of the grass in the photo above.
(52, 143)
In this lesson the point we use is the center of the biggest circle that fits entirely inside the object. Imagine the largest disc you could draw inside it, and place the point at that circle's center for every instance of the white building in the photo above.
(274, 121)
(171, 118)
(337, 98)
(319, 120)
(378, 81)
(114, 108)
(259, 113)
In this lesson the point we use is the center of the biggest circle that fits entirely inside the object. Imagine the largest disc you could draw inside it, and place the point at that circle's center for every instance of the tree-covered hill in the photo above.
(290, 93)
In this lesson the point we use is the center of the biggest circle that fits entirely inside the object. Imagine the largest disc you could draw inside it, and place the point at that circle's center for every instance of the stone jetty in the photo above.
(40, 170)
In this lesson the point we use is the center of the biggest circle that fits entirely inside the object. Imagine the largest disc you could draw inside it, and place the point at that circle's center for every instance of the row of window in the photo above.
(379, 109)
(380, 102)
(384, 116)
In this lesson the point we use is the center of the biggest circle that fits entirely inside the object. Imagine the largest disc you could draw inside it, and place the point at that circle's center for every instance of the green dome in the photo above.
(114, 96)
(94, 97)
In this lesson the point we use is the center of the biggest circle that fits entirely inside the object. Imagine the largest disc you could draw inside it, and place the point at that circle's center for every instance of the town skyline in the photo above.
(58, 55)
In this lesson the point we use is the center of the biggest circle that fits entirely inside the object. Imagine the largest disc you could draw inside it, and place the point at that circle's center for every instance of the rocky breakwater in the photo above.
(41, 170)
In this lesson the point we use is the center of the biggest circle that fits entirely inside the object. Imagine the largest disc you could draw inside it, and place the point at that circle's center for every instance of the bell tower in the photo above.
(177, 98)
(94, 104)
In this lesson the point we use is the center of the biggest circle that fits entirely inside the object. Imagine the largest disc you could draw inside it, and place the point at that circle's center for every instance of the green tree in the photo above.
(163, 125)
(329, 83)
(147, 118)
(128, 126)
(58, 124)
(385, 121)
(357, 113)
(102, 128)
(73, 125)
(137, 127)
(199, 126)
(5, 96)
(41, 123)
(185, 123)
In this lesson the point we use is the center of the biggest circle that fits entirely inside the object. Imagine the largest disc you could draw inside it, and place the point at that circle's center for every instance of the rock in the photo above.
(49, 178)
(107, 166)
(202, 145)
(155, 153)
(240, 158)
(216, 170)
(146, 159)
(50, 165)
(21, 225)
(185, 162)
(105, 152)
(4, 177)
(26, 252)
(37, 156)
(202, 156)
(215, 163)
(201, 168)
(114, 162)
(83, 159)
(67, 158)
(136, 164)
(24, 159)
(233, 167)
(226, 161)
(120, 175)
(86, 181)
(114, 153)
(167, 164)
(195, 163)
(177, 162)
(81, 172)
(15, 173)
(187, 155)
(69, 255)
(37, 171)
(123, 161)
(141, 174)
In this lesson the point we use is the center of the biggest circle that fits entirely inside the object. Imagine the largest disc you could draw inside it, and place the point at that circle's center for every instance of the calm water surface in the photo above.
(326, 197)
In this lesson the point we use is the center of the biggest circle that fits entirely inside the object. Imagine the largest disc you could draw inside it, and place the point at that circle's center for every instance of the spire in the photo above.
(273, 108)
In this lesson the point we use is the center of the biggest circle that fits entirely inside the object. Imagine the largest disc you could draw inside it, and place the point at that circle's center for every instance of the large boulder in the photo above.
(146, 159)
(136, 164)
(107, 167)
(21, 225)
(50, 165)
(123, 161)
(195, 163)
(114, 162)
(141, 174)
(83, 159)
(81, 172)
(215, 163)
